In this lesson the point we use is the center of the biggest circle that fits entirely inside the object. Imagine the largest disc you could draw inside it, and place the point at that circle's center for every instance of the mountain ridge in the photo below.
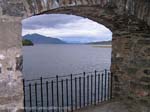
(41, 39)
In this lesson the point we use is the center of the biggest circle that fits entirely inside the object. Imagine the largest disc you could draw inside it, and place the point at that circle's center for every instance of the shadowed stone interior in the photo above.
(129, 20)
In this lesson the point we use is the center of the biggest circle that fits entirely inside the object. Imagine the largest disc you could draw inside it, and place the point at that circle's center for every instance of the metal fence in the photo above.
(67, 93)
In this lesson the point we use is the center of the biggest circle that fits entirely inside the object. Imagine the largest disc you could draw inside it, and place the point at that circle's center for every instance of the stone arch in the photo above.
(128, 33)
(128, 20)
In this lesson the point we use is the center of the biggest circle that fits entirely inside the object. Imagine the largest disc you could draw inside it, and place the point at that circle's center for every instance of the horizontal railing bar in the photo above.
(33, 84)
(28, 80)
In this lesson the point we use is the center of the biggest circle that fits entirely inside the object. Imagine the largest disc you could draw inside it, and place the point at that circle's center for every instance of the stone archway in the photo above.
(131, 45)
(130, 57)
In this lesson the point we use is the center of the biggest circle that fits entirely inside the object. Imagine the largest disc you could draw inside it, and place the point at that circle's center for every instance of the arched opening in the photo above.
(83, 45)
(130, 49)
(72, 51)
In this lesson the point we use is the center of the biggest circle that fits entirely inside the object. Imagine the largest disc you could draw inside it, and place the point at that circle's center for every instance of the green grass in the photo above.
(26, 42)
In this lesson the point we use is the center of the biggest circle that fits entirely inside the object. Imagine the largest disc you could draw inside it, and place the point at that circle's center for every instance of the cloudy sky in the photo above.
(69, 28)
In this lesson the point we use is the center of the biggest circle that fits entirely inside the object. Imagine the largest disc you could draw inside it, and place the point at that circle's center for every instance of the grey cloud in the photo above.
(69, 28)
(47, 21)
(83, 39)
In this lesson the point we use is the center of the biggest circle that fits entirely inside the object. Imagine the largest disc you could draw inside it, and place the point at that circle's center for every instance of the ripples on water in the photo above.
(52, 60)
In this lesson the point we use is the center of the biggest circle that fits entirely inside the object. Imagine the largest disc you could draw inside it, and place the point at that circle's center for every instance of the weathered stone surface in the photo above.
(9, 99)
(15, 9)
(10, 35)
(20, 110)
(147, 71)
(144, 41)
(11, 92)
(127, 19)
(145, 79)
(19, 63)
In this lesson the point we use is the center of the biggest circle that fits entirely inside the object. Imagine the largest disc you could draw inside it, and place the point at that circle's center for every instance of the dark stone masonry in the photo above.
(129, 20)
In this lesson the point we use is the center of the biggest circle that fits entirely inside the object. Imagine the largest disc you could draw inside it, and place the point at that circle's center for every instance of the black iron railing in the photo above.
(67, 93)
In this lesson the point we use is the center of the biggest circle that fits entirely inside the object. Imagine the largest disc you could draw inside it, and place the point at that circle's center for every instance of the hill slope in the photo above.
(40, 39)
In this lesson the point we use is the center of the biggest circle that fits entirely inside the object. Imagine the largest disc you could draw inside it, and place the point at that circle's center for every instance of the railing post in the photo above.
(24, 91)
(52, 97)
(36, 103)
(30, 96)
(108, 88)
(91, 89)
(67, 93)
(80, 91)
(76, 97)
(41, 79)
(105, 95)
(47, 96)
(62, 91)
(71, 93)
(98, 87)
(88, 90)
(84, 88)
(95, 88)
(105, 71)
(111, 84)
(102, 88)
(57, 92)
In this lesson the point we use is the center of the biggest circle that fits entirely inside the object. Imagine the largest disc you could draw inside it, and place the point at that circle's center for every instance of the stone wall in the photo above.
(127, 19)
(38, 6)
(130, 56)
(130, 53)
(131, 67)
(138, 8)
(11, 92)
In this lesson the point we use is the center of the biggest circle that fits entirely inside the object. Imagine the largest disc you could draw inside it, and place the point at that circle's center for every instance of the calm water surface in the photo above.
(52, 60)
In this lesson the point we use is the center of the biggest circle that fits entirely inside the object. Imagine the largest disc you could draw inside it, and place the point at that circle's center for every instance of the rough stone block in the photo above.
(19, 63)
(10, 35)
(15, 10)
(132, 71)
(147, 71)
(145, 79)
(144, 42)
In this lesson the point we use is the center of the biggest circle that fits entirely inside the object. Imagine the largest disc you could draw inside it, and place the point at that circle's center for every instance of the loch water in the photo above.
(51, 60)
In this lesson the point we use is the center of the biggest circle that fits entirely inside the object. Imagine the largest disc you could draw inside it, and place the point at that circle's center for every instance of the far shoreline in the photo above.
(93, 45)
(103, 46)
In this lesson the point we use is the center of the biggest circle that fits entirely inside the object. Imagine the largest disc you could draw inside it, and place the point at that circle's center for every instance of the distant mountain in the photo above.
(40, 39)
(101, 43)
